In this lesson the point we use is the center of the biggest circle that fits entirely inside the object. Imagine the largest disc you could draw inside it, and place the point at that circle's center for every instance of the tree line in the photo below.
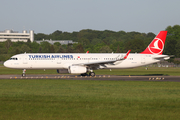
(93, 41)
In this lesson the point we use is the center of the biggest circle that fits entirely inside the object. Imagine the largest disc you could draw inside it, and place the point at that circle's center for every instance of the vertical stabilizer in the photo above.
(157, 45)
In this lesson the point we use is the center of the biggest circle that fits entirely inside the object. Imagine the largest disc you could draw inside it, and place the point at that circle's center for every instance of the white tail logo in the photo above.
(156, 46)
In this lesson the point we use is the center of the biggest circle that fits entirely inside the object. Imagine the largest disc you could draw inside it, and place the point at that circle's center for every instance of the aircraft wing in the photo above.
(100, 62)
(105, 62)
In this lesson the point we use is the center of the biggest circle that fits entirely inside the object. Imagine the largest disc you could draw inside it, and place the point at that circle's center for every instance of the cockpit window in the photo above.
(13, 59)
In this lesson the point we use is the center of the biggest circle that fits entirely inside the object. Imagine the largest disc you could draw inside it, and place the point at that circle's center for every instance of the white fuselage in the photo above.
(64, 60)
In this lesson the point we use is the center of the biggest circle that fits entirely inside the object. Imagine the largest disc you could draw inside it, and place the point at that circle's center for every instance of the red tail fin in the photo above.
(157, 45)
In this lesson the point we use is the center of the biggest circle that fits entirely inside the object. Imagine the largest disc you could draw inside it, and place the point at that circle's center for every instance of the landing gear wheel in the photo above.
(92, 74)
(23, 75)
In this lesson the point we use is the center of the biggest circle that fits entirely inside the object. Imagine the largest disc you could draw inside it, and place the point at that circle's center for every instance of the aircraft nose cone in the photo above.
(6, 64)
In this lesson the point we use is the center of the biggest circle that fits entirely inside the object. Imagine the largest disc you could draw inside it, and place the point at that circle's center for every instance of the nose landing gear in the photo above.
(24, 73)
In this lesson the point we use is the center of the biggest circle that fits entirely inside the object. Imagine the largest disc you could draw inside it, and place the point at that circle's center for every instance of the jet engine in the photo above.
(77, 69)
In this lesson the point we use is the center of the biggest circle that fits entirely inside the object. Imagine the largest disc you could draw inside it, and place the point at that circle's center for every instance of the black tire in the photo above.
(23, 75)
(92, 74)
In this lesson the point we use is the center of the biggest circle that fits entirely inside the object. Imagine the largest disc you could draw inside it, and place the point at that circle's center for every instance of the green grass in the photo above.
(88, 100)
(133, 71)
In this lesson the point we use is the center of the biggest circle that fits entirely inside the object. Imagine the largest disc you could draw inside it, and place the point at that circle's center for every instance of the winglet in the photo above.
(127, 54)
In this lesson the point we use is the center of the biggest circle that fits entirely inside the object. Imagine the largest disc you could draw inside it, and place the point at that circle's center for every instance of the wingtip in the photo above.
(127, 54)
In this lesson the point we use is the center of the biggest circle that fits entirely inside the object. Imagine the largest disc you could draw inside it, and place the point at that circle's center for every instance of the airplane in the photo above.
(84, 63)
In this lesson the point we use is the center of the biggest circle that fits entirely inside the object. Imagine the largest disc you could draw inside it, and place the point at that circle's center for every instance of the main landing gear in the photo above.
(92, 74)
(24, 73)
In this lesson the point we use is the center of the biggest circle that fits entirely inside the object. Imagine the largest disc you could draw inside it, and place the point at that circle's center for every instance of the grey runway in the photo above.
(98, 77)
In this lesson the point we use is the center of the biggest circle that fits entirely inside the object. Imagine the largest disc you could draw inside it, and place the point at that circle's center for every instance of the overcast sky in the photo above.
(47, 16)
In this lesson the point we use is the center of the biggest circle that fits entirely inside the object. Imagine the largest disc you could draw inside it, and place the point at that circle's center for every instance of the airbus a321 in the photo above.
(84, 63)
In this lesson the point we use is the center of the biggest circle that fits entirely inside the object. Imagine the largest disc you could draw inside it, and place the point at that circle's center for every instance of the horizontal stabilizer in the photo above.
(163, 57)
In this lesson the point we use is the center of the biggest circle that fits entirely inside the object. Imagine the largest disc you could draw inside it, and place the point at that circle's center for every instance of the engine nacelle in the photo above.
(62, 71)
(77, 69)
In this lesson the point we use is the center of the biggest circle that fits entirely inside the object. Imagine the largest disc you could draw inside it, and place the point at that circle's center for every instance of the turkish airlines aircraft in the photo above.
(82, 63)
